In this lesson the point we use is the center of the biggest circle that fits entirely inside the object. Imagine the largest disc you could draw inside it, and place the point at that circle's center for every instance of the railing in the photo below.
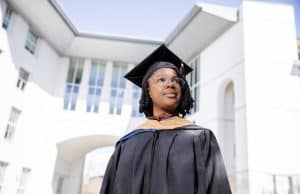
(297, 63)
(286, 184)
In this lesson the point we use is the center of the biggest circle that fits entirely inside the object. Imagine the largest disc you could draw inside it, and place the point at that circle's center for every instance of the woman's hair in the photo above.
(183, 108)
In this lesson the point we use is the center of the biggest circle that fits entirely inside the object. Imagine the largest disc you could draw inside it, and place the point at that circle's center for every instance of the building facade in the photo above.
(64, 97)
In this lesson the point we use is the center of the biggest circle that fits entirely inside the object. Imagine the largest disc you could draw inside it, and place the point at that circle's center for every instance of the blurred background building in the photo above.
(64, 101)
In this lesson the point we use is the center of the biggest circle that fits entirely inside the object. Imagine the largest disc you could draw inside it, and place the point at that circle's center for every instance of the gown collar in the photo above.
(163, 117)
(166, 123)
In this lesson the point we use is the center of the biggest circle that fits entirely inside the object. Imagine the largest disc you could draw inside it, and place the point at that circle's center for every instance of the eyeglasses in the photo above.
(162, 81)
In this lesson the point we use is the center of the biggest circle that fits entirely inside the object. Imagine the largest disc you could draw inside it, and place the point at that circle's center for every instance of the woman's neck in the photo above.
(162, 115)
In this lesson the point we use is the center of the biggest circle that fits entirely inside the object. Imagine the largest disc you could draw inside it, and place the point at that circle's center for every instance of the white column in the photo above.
(72, 184)
(81, 100)
(128, 90)
(104, 103)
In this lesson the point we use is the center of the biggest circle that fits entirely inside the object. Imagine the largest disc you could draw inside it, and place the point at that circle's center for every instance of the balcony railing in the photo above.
(297, 63)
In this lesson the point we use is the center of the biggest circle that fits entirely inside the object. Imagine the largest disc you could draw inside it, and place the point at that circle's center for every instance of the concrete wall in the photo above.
(222, 63)
(43, 124)
(272, 93)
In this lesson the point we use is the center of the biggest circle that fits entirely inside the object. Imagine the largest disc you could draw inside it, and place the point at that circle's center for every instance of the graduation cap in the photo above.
(161, 54)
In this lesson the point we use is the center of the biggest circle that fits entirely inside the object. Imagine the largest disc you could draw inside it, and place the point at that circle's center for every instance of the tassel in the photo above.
(181, 70)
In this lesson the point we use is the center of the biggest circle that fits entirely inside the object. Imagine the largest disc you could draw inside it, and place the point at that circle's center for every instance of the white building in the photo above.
(63, 95)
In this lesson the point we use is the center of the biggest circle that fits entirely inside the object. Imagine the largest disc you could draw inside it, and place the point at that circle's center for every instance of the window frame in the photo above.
(117, 88)
(59, 184)
(31, 42)
(93, 98)
(12, 123)
(73, 85)
(194, 81)
(136, 95)
(22, 80)
(7, 17)
(3, 167)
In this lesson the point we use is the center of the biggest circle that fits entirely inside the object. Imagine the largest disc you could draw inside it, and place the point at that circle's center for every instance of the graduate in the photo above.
(166, 154)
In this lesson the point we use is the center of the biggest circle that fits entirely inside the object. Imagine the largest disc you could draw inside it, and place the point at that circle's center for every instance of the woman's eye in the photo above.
(177, 80)
(161, 80)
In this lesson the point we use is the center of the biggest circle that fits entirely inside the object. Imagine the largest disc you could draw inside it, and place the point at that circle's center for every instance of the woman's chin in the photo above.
(170, 107)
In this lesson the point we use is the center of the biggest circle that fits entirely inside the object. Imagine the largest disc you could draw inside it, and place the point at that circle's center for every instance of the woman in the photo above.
(167, 154)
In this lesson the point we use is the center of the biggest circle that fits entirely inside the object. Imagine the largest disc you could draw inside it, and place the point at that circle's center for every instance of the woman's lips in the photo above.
(170, 94)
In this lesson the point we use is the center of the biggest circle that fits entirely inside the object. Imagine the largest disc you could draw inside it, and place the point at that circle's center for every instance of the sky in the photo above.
(151, 19)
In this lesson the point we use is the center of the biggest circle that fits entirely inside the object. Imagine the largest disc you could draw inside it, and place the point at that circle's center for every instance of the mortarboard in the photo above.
(161, 54)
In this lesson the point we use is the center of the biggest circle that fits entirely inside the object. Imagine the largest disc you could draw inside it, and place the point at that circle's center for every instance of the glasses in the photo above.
(162, 81)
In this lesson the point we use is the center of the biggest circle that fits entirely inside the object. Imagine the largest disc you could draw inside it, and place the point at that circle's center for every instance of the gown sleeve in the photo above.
(107, 186)
(210, 166)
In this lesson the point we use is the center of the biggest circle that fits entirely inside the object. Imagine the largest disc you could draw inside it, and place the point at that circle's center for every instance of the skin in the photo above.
(165, 98)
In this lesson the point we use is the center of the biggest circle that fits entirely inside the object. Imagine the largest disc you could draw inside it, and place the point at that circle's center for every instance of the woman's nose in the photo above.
(170, 83)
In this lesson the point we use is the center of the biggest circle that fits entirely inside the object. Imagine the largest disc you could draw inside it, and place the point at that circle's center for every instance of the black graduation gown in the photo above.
(183, 160)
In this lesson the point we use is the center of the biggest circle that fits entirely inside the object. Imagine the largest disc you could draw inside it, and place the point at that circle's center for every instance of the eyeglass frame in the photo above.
(180, 81)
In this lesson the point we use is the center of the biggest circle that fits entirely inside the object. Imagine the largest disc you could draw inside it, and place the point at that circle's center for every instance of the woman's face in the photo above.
(164, 90)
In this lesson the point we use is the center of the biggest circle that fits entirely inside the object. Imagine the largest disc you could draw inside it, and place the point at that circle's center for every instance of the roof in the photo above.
(208, 20)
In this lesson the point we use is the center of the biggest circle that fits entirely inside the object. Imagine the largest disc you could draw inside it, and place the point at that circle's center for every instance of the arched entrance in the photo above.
(226, 132)
(94, 169)
(70, 163)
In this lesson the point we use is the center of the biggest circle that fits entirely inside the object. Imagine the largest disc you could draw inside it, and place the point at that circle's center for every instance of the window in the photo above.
(3, 166)
(59, 185)
(136, 94)
(117, 89)
(31, 42)
(6, 17)
(194, 81)
(23, 180)
(12, 123)
(23, 78)
(73, 83)
(95, 86)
